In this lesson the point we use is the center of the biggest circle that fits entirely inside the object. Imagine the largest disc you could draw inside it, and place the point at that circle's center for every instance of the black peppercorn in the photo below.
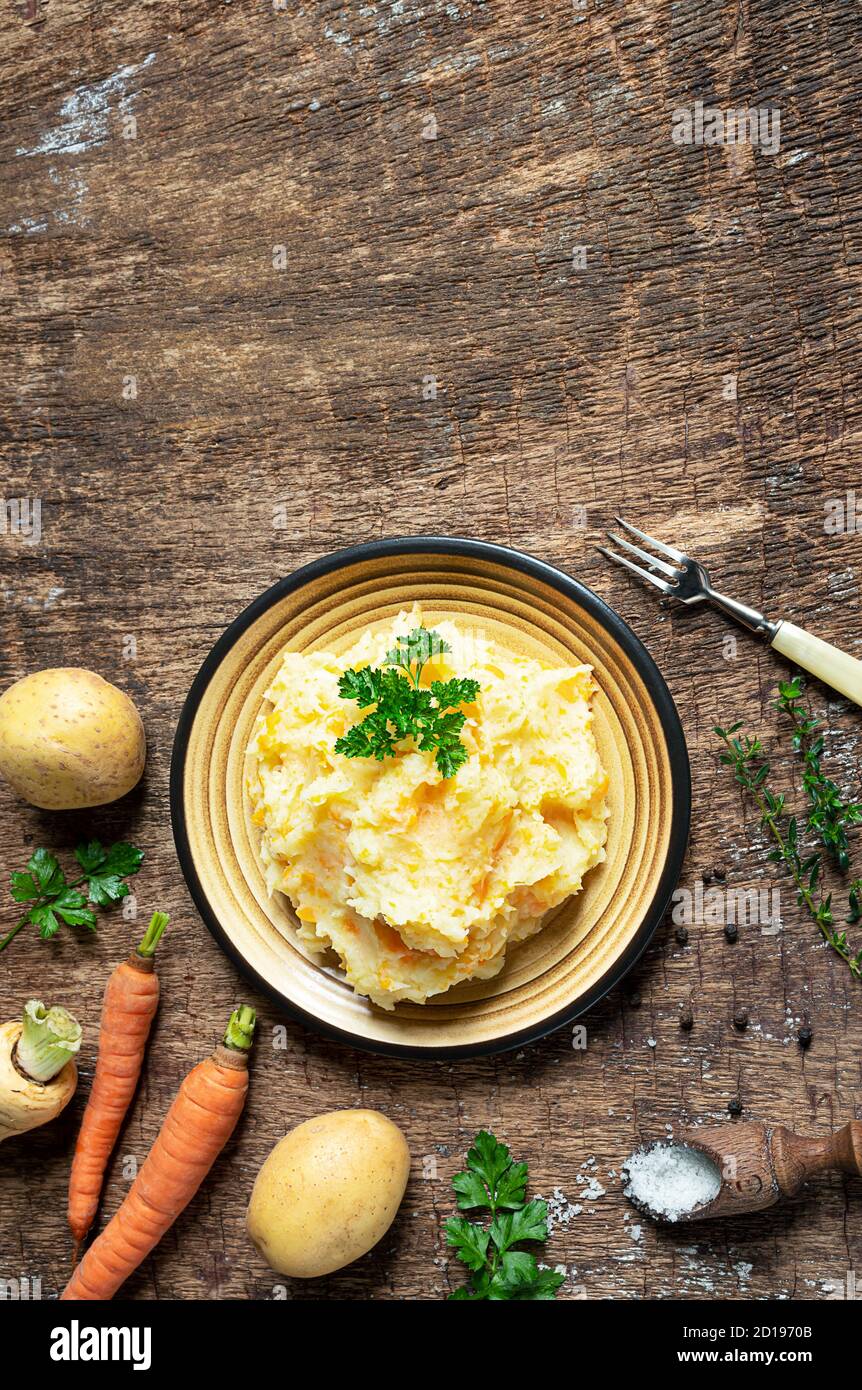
(731, 931)
(682, 935)
(734, 1107)
(686, 1020)
(740, 1020)
(805, 1035)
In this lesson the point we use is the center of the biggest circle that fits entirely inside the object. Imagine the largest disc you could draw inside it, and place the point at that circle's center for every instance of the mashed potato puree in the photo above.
(416, 881)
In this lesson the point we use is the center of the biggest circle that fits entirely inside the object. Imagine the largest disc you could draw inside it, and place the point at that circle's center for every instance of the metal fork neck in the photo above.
(748, 617)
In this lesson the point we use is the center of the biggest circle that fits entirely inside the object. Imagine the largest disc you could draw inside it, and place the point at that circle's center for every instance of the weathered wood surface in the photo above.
(278, 413)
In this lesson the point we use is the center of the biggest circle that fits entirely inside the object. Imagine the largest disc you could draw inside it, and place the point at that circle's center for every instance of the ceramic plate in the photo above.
(588, 943)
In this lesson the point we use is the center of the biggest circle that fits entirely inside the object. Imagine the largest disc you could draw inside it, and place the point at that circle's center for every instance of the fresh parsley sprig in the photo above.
(495, 1183)
(747, 758)
(402, 708)
(830, 814)
(51, 899)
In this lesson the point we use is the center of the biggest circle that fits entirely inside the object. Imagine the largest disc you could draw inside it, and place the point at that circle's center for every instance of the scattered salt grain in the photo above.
(671, 1180)
(560, 1210)
(594, 1190)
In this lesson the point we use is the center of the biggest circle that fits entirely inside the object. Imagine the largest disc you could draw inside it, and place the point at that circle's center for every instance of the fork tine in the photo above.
(651, 560)
(667, 550)
(636, 569)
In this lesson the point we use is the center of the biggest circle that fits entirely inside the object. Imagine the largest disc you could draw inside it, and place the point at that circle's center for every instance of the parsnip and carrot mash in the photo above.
(420, 856)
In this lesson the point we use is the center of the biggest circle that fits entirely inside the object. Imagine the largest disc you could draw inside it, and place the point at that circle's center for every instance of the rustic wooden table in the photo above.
(278, 278)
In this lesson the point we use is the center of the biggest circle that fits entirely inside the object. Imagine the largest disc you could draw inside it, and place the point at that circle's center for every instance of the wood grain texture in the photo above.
(280, 413)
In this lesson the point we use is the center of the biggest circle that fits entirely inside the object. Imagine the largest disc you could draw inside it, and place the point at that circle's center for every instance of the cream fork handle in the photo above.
(828, 663)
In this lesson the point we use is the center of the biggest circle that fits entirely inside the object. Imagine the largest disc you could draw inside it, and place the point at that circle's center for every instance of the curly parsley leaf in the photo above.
(493, 1181)
(415, 648)
(404, 709)
(51, 900)
(457, 691)
(364, 685)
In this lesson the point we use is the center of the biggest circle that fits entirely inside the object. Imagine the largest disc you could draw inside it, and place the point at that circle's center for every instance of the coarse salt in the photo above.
(560, 1210)
(671, 1180)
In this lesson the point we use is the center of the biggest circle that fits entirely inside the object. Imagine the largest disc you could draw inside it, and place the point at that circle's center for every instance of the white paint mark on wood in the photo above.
(84, 115)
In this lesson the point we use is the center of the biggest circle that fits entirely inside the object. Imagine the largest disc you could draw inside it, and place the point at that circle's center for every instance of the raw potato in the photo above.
(69, 739)
(328, 1192)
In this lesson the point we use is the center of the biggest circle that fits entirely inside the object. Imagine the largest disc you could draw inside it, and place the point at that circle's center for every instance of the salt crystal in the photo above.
(593, 1191)
(671, 1180)
(560, 1209)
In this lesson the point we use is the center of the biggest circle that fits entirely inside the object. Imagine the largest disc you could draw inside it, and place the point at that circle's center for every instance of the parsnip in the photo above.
(38, 1074)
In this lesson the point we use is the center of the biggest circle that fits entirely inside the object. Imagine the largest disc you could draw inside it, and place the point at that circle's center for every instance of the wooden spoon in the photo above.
(758, 1164)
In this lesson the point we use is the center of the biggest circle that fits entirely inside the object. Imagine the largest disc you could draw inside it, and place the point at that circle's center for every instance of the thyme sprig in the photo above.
(746, 755)
(829, 814)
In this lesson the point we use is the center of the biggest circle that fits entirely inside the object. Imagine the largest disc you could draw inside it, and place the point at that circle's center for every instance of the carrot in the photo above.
(129, 1007)
(196, 1129)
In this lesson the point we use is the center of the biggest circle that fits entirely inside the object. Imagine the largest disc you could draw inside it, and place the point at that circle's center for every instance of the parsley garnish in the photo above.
(42, 885)
(404, 709)
(496, 1183)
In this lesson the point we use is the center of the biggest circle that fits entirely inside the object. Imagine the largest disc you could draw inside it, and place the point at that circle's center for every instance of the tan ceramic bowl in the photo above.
(588, 943)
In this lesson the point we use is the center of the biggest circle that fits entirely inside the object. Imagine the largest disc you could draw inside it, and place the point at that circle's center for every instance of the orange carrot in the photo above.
(128, 1010)
(196, 1129)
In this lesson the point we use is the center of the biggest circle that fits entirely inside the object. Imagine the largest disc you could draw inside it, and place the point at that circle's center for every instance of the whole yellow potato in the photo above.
(69, 739)
(328, 1192)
